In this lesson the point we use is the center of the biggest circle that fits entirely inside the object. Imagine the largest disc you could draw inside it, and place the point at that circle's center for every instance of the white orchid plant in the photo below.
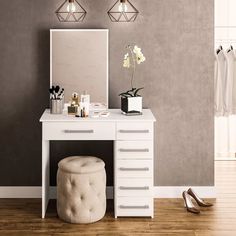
(132, 58)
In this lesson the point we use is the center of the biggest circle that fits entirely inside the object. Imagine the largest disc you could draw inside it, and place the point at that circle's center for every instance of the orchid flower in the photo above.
(133, 57)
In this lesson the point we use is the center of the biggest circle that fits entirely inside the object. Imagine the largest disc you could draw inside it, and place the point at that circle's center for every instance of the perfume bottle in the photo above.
(75, 98)
(72, 109)
(85, 97)
(84, 104)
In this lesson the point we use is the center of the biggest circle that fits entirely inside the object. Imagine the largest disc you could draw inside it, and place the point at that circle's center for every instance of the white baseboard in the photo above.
(159, 192)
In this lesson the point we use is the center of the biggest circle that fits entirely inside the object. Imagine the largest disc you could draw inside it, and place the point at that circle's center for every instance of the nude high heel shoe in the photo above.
(199, 201)
(189, 204)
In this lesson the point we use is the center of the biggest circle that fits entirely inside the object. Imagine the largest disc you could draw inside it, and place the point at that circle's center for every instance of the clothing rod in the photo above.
(224, 26)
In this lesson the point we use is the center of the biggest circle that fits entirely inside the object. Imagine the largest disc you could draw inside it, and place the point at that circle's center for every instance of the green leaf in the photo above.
(122, 94)
(130, 93)
(126, 94)
(136, 92)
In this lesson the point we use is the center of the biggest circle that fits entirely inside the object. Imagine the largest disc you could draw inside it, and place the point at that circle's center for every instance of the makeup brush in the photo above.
(61, 94)
(51, 93)
(57, 89)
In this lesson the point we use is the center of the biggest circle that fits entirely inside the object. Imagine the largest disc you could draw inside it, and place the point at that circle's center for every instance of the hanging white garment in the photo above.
(220, 83)
(230, 80)
(234, 86)
(225, 92)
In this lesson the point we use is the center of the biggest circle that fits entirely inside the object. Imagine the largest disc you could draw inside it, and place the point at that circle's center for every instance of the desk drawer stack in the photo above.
(133, 165)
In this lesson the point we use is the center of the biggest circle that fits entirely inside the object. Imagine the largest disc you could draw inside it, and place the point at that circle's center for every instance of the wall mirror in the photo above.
(79, 62)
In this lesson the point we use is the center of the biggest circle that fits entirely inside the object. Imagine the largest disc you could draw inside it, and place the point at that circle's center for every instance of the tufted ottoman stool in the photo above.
(81, 189)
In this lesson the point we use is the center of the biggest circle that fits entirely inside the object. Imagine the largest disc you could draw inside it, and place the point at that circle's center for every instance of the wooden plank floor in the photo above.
(22, 216)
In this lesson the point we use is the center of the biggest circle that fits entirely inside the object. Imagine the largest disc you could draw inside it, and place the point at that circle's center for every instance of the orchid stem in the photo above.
(133, 72)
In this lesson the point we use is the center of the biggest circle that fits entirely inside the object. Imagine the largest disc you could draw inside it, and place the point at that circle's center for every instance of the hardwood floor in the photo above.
(22, 216)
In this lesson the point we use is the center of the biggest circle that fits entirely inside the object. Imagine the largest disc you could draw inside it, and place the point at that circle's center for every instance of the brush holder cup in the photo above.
(56, 106)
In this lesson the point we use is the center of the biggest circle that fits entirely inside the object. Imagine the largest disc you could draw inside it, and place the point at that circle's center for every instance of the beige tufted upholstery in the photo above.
(81, 189)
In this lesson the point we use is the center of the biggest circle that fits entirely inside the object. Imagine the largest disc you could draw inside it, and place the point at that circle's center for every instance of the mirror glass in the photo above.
(79, 62)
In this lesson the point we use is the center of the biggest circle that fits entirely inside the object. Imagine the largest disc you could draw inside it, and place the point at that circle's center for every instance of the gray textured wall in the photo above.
(177, 39)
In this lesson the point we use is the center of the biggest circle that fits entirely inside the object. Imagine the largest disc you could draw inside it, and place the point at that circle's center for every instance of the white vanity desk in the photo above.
(133, 155)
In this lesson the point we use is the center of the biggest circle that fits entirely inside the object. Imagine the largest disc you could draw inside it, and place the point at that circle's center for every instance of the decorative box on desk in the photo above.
(133, 155)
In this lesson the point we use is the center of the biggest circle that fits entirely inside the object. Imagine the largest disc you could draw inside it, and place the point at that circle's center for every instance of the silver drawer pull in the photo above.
(83, 131)
(134, 188)
(134, 150)
(143, 131)
(134, 169)
(134, 207)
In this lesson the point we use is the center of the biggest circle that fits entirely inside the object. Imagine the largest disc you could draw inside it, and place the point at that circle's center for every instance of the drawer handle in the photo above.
(134, 207)
(83, 131)
(134, 150)
(124, 131)
(134, 169)
(134, 188)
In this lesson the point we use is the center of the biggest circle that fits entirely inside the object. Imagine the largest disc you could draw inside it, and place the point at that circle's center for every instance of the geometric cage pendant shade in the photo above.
(123, 11)
(70, 11)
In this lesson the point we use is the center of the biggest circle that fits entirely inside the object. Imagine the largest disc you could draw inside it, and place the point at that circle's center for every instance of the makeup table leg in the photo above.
(45, 176)
(115, 179)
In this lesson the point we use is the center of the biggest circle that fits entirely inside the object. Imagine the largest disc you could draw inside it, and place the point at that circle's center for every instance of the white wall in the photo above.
(225, 21)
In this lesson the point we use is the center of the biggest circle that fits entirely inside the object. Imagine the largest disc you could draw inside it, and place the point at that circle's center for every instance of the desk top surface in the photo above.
(115, 115)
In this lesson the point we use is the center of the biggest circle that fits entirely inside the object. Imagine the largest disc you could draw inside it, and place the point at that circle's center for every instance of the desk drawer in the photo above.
(134, 149)
(134, 187)
(79, 131)
(134, 168)
(131, 206)
(134, 131)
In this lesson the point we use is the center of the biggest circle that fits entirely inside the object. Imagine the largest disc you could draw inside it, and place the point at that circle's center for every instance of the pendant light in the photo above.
(123, 11)
(71, 11)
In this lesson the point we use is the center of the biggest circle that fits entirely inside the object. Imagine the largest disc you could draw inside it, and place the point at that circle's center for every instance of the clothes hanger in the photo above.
(230, 49)
(219, 49)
